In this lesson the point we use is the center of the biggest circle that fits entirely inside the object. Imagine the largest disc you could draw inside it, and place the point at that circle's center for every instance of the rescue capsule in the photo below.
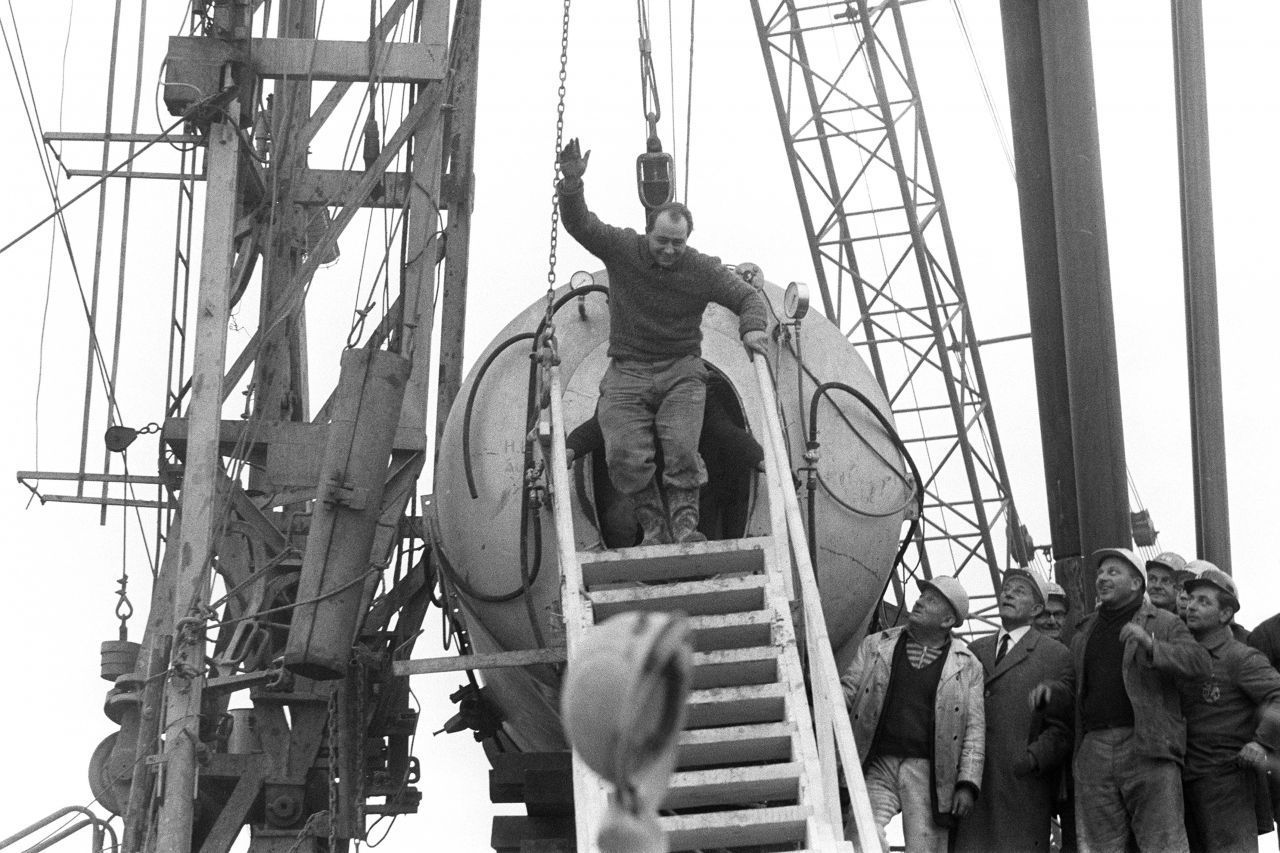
(862, 490)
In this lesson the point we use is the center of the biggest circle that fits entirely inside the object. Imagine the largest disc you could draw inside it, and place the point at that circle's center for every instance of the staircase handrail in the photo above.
(101, 828)
(589, 808)
(829, 707)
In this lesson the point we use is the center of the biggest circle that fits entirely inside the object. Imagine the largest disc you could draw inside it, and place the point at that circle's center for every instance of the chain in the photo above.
(333, 770)
(555, 190)
(124, 607)
(359, 763)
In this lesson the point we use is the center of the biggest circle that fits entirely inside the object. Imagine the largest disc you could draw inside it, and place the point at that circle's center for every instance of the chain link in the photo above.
(555, 188)
(333, 770)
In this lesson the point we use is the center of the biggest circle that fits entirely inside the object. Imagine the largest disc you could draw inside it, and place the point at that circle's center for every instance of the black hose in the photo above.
(484, 367)
(821, 391)
(470, 407)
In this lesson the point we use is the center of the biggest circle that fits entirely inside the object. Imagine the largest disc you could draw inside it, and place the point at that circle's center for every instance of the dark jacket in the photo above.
(655, 313)
(1013, 731)
(1237, 702)
(1266, 639)
(1150, 680)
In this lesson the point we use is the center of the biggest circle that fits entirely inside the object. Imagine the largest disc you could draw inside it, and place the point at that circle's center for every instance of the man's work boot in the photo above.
(683, 504)
(651, 515)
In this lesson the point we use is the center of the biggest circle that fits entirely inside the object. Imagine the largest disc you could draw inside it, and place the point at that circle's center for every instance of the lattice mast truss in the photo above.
(886, 264)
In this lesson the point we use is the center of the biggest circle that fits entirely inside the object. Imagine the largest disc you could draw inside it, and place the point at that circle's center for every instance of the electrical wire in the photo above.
(688, 102)
(1005, 144)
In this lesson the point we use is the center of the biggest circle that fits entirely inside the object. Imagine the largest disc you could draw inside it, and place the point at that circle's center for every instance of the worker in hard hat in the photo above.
(655, 385)
(1162, 580)
(914, 695)
(1128, 657)
(1193, 570)
(1233, 722)
(1053, 618)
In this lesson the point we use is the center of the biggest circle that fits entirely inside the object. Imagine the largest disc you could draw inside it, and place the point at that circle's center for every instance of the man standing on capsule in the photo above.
(656, 381)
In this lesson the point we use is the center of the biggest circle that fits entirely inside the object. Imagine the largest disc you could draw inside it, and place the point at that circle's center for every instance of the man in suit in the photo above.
(1024, 749)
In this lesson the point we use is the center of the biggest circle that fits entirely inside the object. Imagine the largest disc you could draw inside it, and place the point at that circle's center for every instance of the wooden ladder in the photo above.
(756, 761)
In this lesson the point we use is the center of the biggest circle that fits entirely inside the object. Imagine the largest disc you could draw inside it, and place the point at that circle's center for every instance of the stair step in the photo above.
(731, 630)
(756, 744)
(673, 562)
(730, 667)
(734, 828)
(733, 786)
(718, 595)
(735, 706)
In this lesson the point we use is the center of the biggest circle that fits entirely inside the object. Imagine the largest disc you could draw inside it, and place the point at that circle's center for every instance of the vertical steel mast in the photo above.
(886, 263)
(292, 576)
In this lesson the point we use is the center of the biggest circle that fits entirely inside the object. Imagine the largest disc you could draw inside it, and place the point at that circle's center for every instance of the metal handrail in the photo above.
(101, 828)
(588, 793)
(831, 718)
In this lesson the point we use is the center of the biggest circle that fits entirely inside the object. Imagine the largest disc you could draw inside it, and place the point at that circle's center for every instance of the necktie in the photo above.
(1003, 650)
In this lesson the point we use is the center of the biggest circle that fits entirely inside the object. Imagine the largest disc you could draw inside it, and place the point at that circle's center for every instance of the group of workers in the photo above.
(1155, 730)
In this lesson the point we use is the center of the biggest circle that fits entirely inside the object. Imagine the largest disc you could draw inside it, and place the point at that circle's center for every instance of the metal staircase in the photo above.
(757, 760)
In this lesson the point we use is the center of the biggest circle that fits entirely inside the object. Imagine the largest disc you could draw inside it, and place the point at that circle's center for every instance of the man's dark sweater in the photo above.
(1104, 703)
(655, 313)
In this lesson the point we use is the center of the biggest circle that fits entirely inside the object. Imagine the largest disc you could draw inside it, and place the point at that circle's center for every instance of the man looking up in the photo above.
(914, 695)
(656, 381)
(1053, 618)
(1024, 750)
(1131, 737)
(1227, 737)
(1162, 580)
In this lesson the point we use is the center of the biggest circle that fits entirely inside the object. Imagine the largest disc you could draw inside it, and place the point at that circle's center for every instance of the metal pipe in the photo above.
(1025, 70)
(1204, 365)
(1097, 432)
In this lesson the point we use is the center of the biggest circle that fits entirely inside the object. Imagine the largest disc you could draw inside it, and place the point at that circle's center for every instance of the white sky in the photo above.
(62, 565)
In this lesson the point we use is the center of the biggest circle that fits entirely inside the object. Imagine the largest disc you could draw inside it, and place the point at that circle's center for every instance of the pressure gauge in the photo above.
(795, 301)
(581, 278)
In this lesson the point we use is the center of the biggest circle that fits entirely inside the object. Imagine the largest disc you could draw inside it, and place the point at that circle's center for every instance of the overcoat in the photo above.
(1014, 811)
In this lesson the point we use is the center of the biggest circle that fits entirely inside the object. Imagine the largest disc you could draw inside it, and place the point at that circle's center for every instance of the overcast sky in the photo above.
(62, 565)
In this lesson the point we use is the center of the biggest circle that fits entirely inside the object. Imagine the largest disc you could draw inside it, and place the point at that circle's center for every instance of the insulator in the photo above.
(119, 657)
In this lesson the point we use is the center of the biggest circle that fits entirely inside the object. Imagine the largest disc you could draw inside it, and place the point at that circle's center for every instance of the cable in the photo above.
(688, 103)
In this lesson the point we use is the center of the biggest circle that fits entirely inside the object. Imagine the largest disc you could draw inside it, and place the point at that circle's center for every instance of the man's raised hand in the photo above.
(573, 163)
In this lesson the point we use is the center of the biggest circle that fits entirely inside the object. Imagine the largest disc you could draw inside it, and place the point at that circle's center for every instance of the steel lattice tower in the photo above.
(886, 264)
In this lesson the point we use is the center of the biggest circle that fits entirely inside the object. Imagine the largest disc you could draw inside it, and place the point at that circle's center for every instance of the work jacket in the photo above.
(1150, 680)
(959, 727)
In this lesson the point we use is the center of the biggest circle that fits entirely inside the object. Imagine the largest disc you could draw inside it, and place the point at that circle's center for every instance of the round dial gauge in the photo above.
(795, 301)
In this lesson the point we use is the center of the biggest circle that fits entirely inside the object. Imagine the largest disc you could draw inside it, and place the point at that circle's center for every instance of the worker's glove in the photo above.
(1024, 765)
(573, 163)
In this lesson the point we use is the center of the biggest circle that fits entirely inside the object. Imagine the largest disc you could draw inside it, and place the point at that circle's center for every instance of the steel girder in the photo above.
(886, 264)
